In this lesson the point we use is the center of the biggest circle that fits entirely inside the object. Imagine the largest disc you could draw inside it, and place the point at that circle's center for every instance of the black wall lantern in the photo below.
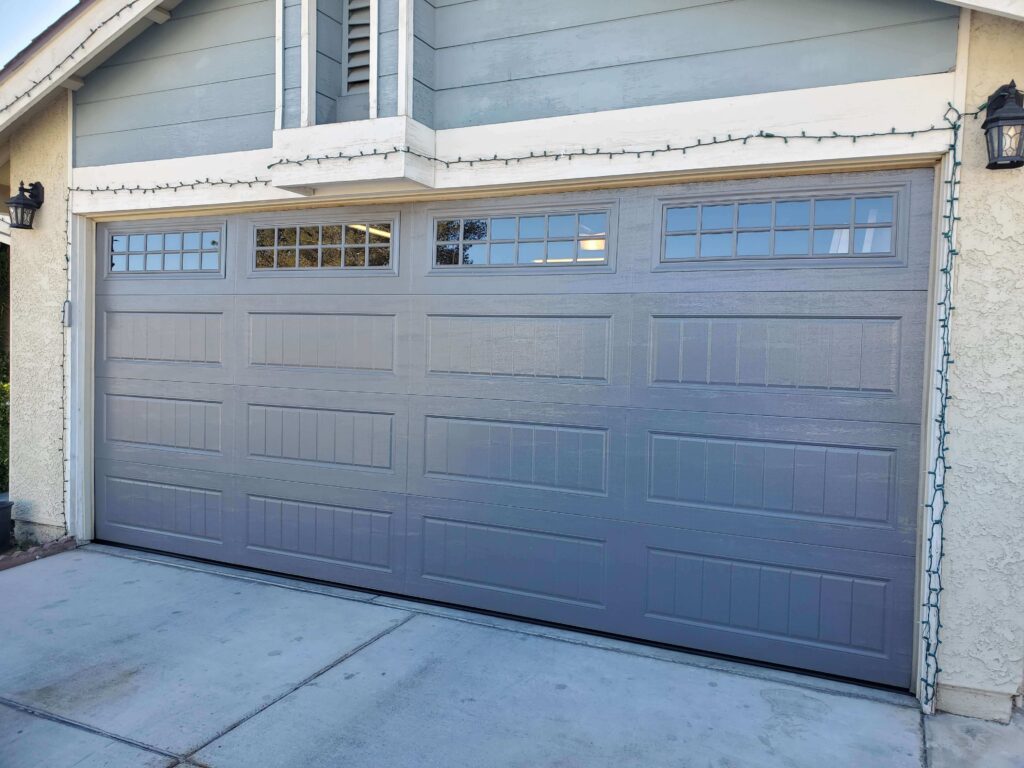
(1004, 128)
(23, 206)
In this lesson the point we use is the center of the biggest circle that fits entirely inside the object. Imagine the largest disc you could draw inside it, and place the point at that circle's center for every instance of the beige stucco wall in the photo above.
(982, 652)
(39, 152)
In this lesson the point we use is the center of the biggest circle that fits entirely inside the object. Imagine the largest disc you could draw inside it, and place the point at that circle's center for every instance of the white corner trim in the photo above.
(405, 54)
(1011, 9)
(307, 92)
(374, 32)
(81, 510)
(278, 64)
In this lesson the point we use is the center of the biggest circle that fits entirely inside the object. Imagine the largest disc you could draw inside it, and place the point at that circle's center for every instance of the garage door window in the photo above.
(846, 226)
(533, 240)
(166, 252)
(363, 245)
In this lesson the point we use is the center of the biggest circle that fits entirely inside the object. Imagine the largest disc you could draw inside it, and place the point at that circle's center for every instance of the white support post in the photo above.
(278, 64)
(307, 108)
(405, 54)
(374, 32)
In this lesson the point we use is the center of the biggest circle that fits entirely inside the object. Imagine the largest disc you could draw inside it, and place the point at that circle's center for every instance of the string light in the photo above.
(952, 123)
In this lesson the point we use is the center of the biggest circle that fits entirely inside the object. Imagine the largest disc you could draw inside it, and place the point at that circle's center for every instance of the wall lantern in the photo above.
(23, 206)
(1004, 128)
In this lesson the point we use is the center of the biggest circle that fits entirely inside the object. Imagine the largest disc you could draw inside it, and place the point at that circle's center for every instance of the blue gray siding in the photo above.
(387, 58)
(201, 83)
(291, 62)
(487, 61)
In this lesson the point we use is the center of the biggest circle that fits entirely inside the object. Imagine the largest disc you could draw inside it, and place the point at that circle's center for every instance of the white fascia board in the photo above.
(905, 104)
(66, 53)
(1011, 9)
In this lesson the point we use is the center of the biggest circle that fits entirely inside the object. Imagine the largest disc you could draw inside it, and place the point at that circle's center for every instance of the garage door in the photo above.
(689, 414)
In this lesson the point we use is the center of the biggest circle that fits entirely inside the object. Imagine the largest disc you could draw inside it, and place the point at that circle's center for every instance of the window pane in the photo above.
(875, 240)
(355, 234)
(755, 215)
(503, 229)
(792, 243)
(264, 259)
(190, 261)
(447, 254)
(832, 213)
(503, 253)
(681, 220)
(119, 243)
(591, 251)
(792, 213)
(154, 262)
(211, 240)
(680, 247)
(474, 253)
(716, 217)
(593, 224)
(211, 260)
(474, 229)
(172, 262)
(286, 259)
(119, 263)
(561, 251)
(530, 253)
(380, 255)
(331, 235)
(137, 242)
(531, 228)
(355, 257)
(562, 226)
(874, 210)
(191, 241)
(264, 238)
(154, 242)
(448, 230)
(172, 241)
(330, 257)
(307, 236)
(380, 234)
(308, 258)
(716, 246)
(753, 243)
(828, 241)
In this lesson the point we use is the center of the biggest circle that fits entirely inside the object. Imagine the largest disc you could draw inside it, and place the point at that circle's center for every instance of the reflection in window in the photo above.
(324, 246)
(827, 226)
(533, 240)
(165, 252)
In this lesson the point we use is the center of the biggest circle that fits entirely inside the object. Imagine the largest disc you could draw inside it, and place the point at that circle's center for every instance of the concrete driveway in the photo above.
(114, 658)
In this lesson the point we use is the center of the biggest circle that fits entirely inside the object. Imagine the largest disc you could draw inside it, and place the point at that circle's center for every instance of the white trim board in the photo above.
(905, 103)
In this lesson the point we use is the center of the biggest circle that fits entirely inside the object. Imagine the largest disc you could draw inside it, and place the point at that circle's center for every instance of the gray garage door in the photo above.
(689, 414)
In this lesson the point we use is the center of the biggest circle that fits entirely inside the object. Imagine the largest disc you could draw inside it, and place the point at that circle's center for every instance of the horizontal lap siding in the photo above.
(492, 62)
(201, 83)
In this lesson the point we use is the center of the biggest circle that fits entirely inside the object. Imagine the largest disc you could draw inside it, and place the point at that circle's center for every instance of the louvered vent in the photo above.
(357, 46)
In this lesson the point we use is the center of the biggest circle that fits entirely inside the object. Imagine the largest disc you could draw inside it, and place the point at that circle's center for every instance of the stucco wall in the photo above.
(39, 152)
(982, 652)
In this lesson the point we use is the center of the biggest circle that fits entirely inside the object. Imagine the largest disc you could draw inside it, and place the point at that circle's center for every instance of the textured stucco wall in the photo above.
(39, 152)
(982, 652)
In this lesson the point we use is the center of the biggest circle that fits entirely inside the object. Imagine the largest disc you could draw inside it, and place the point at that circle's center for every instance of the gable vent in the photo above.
(357, 46)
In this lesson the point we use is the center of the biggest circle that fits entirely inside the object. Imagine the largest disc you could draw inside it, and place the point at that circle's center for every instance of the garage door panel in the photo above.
(835, 355)
(814, 607)
(166, 339)
(355, 439)
(350, 535)
(165, 508)
(552, 349)
(549, 566)
(543, 456)
(359, 343)
(169, 423)
(845, 484)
